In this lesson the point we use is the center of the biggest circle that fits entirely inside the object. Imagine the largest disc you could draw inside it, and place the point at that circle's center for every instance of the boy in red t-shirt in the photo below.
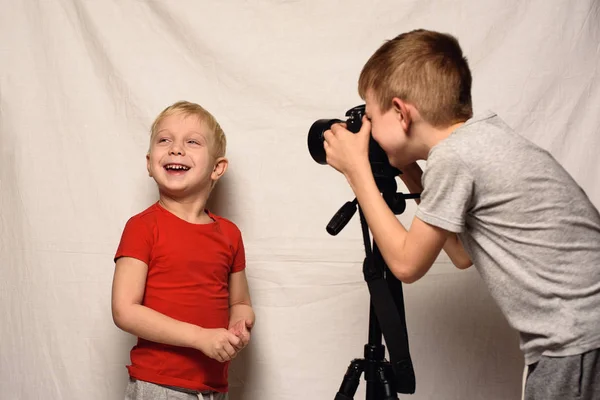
(180, 282)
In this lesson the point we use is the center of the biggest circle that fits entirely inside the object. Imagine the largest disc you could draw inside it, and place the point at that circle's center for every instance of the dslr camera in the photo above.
(377, 158)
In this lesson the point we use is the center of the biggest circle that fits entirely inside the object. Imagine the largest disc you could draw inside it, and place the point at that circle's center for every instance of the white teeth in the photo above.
(177, 167)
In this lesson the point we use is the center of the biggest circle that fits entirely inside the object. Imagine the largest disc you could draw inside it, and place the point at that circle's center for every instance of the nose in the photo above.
(176, 149)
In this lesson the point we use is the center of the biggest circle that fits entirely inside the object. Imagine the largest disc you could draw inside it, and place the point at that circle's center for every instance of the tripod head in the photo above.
(387, 187)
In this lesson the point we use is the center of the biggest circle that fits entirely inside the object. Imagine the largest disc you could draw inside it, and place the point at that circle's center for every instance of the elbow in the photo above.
(463, 264)
(406, 273)
(120, 316)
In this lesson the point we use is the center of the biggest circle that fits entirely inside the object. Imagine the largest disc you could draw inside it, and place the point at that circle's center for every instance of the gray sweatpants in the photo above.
(565, 378)
(140, 390)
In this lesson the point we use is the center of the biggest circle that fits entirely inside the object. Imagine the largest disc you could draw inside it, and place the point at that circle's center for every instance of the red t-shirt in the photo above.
(188, 280)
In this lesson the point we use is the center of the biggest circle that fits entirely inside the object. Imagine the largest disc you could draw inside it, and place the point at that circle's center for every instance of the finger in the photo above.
(328, 136)
(338, 129)
(236, 328)
(234, 340)
(246, 339)
(249, 324)
(241, 344)
(225, 352)
(366, 126)
(339, 125)
(231, 352)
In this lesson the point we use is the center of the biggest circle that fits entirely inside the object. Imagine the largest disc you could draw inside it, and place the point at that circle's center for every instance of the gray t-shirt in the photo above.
(530, 230)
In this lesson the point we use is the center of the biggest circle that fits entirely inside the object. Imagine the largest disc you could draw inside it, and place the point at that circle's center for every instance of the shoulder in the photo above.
(447, 154)
(227, 226)
(146, 218)
(477, 140)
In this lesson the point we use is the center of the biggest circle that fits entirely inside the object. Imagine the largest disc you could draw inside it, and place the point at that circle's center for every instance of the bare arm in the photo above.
(240, 305)
(408, 254)
(130, 315)
(453, 247)
(241, 315)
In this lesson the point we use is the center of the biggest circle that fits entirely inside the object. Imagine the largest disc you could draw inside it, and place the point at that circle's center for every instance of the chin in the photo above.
(172, 192)
(401, 163)
(395, 163)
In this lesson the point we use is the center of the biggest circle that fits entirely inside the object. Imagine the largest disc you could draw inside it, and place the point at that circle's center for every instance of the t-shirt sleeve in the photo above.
(239, 257)
(447, 191)
(136, 241)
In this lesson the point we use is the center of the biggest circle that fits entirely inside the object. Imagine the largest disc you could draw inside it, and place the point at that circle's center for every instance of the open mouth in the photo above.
(176, 168)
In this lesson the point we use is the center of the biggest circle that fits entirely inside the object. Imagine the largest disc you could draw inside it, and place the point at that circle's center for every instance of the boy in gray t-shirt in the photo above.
(489, 198)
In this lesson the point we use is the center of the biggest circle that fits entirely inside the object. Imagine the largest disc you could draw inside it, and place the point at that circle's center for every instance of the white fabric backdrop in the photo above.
(80, 82)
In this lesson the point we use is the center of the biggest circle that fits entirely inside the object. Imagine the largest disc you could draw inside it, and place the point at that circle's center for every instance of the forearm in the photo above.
(149, 324)
(387, 231)
(241, 311)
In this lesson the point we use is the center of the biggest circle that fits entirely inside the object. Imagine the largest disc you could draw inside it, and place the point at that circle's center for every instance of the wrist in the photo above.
(239, 312)
(197, 337)
(358, 175)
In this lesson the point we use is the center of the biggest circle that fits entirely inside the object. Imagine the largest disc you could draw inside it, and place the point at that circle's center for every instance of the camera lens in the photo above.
(377, 157)
(316, 140)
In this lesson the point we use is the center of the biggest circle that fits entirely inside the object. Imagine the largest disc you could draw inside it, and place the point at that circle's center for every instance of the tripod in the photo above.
(386, 313)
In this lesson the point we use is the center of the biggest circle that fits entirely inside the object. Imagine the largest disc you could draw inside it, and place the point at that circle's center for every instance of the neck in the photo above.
(431, 136)
(189, 209)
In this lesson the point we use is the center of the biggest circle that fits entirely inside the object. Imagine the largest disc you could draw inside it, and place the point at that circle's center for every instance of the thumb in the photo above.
(249, 324)
(365, 129)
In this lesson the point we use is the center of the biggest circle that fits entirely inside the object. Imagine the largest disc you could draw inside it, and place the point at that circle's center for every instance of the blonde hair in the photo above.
(187, 108)
(424, 68)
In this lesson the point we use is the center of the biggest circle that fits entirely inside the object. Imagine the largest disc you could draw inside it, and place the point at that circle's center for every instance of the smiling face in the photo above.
(181, 158)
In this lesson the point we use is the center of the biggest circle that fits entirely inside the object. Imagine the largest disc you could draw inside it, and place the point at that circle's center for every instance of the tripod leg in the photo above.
(351, 380)
(385, 375)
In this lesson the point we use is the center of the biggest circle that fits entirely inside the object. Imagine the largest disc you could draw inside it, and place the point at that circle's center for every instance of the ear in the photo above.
(148, 164)
(219, 169)
(402, 112)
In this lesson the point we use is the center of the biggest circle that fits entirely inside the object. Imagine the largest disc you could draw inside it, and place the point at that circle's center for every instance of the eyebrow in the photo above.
(168, 131)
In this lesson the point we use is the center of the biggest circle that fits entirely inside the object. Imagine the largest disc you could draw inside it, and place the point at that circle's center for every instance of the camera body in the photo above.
(377, 157)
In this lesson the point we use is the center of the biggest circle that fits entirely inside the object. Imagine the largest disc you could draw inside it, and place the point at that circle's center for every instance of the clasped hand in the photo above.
(225, 344)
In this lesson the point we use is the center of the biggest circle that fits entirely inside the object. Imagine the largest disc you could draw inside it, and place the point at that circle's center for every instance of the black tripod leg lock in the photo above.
(351, 380)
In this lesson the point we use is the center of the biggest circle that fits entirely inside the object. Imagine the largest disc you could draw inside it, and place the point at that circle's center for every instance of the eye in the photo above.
(194, 142)
(162, 140)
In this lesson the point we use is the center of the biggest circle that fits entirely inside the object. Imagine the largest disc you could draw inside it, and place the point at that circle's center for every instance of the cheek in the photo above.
(154, 159)
(375, 133)
(380, 137)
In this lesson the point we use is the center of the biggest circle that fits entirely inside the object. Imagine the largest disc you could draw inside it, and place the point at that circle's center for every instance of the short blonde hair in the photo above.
(187, 108)
(424, 68)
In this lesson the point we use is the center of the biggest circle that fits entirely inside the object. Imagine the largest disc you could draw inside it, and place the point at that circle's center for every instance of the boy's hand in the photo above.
(411, 176)
(219, 344)
(348, 152)
(241, 329)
